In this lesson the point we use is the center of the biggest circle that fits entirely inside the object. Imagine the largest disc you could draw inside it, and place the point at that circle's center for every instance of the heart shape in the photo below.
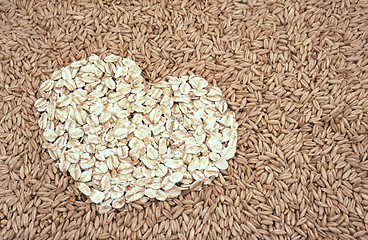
(123, 140)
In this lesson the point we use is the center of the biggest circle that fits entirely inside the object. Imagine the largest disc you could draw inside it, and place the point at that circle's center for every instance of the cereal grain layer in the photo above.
(294, 72)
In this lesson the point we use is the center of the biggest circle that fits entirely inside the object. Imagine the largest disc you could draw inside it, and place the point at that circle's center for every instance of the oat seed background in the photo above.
(294, 72)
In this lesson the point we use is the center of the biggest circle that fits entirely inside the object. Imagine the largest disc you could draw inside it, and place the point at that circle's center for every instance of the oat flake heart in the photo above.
(123, 140)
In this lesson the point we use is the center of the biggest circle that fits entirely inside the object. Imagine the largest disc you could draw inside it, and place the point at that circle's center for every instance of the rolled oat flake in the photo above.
(125, 140)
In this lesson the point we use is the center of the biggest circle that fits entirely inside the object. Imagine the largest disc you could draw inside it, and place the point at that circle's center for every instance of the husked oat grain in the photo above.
(294, 73)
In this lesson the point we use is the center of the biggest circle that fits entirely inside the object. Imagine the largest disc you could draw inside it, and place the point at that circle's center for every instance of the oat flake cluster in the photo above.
(123, 140)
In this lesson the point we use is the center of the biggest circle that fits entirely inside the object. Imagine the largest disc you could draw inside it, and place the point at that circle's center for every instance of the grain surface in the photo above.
(295, 73)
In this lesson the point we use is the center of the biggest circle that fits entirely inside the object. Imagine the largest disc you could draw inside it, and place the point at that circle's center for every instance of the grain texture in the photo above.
(294, 72)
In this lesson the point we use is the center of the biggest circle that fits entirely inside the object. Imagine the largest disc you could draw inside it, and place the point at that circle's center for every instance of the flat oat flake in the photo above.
(123, 140)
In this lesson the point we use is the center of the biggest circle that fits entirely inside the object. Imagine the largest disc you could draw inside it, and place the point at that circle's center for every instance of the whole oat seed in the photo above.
(294, 72)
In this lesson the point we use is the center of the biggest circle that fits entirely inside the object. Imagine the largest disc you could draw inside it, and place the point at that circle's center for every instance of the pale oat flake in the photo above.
(122, 141)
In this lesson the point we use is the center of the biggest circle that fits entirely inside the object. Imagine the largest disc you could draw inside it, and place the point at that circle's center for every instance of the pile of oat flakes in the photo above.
(123, 140)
